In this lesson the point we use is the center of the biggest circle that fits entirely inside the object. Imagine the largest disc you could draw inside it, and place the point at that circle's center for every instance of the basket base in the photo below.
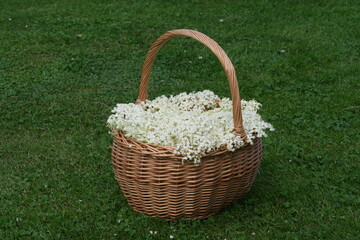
(203, 205)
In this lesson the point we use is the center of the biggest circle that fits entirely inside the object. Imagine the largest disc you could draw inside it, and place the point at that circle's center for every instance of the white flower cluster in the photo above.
(194, 123)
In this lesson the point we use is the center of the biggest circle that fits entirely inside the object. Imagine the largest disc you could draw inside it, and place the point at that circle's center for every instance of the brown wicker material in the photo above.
(156, 182)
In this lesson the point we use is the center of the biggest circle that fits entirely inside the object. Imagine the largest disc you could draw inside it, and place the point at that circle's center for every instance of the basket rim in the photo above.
(160, 151)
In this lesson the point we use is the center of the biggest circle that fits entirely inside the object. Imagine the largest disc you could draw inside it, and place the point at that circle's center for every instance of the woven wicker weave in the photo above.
(156, 182)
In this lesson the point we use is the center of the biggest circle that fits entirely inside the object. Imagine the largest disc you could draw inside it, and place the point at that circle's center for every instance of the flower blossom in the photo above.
(195, 123)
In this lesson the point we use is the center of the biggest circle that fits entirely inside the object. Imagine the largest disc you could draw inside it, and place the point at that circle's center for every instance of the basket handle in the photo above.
(220, 54)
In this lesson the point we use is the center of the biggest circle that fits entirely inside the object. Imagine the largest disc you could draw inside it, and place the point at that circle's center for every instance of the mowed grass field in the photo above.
(65, 64)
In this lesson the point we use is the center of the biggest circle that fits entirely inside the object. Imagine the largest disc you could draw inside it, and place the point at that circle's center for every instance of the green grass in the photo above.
(65, 64)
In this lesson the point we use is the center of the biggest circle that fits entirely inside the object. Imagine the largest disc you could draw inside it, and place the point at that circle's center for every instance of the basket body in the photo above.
(159, 184)
(156, 182)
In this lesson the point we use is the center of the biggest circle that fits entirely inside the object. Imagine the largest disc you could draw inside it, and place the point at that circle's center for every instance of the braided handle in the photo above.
(220, 54)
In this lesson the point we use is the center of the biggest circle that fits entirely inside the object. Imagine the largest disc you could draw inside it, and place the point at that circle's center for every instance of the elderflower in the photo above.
(194, 123)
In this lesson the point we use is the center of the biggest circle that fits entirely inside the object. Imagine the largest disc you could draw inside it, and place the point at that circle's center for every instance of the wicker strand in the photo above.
(220, 54)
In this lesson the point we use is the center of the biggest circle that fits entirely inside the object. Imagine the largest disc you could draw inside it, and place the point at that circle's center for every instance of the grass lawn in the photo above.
(65, 64)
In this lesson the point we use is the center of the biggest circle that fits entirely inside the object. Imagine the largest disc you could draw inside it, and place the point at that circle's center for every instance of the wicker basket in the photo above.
(156, 182)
